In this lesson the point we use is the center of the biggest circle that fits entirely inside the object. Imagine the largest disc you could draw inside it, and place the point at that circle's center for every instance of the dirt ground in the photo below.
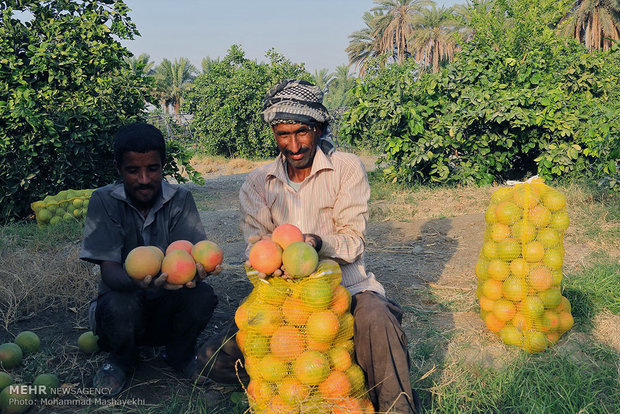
(426, 263)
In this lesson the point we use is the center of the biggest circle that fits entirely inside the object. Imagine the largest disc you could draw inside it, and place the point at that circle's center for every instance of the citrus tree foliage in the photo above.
(226, 102)
(495, 113)
(65, 89)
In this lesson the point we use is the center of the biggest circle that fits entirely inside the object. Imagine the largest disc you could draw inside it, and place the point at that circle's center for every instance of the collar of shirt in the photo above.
(167, 192)
(320, 162)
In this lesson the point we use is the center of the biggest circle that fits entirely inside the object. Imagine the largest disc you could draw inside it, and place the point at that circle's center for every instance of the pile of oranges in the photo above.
(296, 336)
(520, 266)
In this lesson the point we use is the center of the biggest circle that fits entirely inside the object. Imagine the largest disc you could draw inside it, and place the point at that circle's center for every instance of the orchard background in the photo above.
(477, 94)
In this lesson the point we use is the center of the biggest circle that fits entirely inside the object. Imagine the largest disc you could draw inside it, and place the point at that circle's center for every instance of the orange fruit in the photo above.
(367, 406)
(287, 343)
(523, 231)
(251, 366)
(498, 269)
(241, 316)
(323, 326)
(295, 311)
(292, 390)
(548, 237)
(272, 368)
(180, 244)
(240, 337)
(493, 322)
(566, 321)
(501, 194)
(499, 232)
(559, 221)
(314, 345)
(518, 321)
(564, 305)
(554, 200)
(489, 249)
(510, 335)
(540, 278)
(504, 309)
(260, 391)
(277, 405)
(347, 326)
(481, 269)
(311, 367)
(265, 256)
(532, 307)
(272, 292)
(539, 216)
(508, 249)
(256, 345)
(552, 337)
(264, 319)
(557, 277)
(514, 289)
(285, 234)
(507, 212)
(533, 251)
(553, 259)
(489, 215)
(336, 386)
(348, 406)
(549, 321)
(316, 293)
(486, 303)
(357, 379)
(534, 341)
(525, 196)
(519, 267)
(551, 297)
(143, 261)
(346, 344)
(341, 301)
(492, 289)
(339, 358)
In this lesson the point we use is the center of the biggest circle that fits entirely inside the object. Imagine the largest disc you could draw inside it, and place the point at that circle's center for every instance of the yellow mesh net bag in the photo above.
(66, 205)
(519, 269)
(297, 340)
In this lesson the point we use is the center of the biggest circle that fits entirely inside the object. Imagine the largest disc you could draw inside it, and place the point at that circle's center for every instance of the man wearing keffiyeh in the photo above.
(325, 193)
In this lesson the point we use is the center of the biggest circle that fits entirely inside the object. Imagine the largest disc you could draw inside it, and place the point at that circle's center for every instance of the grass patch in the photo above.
(547, 383)
(27, 235)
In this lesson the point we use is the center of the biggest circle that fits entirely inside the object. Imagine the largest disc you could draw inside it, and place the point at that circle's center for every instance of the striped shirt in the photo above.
(332, 202)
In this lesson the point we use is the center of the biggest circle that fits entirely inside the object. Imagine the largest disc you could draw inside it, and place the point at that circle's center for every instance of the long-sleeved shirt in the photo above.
(332, 202)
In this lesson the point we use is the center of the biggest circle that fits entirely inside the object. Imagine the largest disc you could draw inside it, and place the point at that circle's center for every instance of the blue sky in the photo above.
(314, 32)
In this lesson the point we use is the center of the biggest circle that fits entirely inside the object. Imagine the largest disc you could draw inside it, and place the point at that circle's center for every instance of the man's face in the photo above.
(297, 142)
(142, 175)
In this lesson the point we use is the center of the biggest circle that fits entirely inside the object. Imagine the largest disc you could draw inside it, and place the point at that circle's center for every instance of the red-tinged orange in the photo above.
(539, 216)
(142, 261)
(348, 405)
(293, 391)
(336, 386)
(208, 254)
(285, 234)
(549, 321)
(508, 249)
(287, 342)
(180, 267)
(180, 244)
(493, 322)
(507, 212)
(341, 301)
(504, 309)
(492, 289)
(540, 278)
(533, 252)
(499, 232)
(265, 256)
(498, 269)
(566, 321)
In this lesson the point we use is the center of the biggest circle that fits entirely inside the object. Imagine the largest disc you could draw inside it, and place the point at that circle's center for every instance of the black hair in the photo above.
(139, 137)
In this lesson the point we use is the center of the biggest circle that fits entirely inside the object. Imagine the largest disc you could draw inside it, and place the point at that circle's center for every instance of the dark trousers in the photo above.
(380, 349)
(174, 319)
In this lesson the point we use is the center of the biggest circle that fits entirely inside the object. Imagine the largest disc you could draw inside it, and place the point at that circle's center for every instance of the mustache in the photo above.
(144, 187)
(301, 151)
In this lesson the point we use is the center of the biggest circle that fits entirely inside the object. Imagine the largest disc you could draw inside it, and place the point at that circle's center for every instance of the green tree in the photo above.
(338, 93)
(207, 63)
(364, 44)
(595, 23)
(172, 79)
(435, 38)
(322, 79)
(226, 102)
(395, 24)
(140, 65)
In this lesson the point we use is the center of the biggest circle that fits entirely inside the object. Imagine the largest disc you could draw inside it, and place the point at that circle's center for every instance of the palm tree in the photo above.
(466, 13)
(434, 39)
(394, 27)
(343, 81)
(207, 63)
(323, 79)
(594, 23)
(364, 44)
(141, 65)
(172, 79)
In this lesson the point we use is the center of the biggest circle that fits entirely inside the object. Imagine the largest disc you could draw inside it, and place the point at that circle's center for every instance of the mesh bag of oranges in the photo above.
(66, 205)
(520, 266)
(296, 335)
